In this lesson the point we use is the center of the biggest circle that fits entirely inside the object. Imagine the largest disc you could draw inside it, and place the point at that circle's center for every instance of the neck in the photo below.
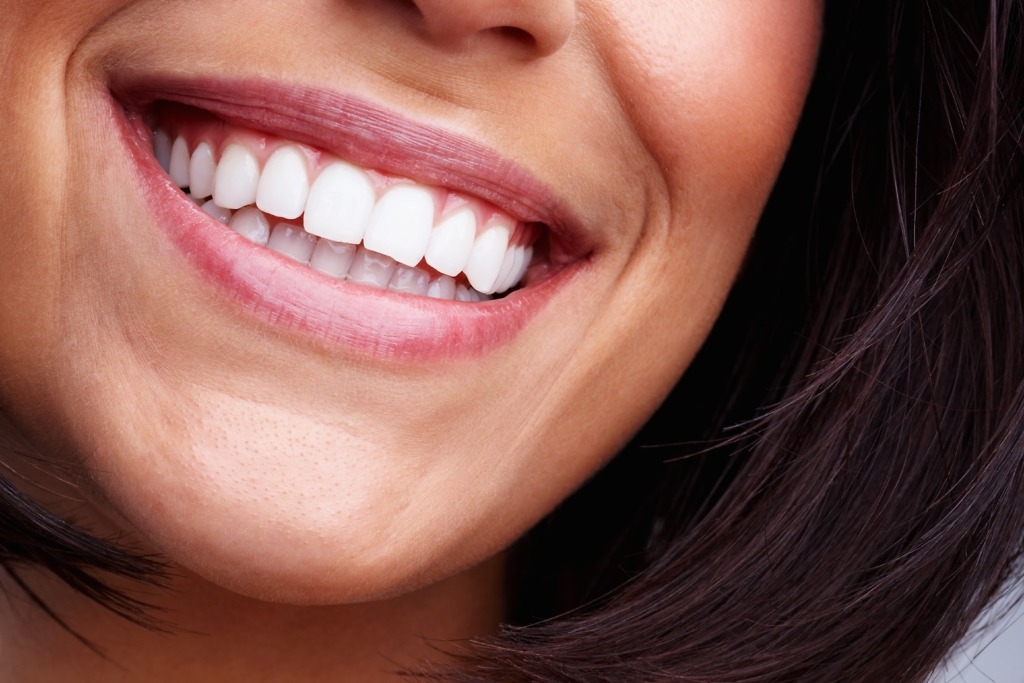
(221, 636)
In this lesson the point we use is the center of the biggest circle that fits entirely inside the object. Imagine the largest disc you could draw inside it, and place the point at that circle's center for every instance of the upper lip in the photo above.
(374, 137)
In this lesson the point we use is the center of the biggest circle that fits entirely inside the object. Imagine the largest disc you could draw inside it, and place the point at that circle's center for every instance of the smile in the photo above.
(343, 221)
(322, 224)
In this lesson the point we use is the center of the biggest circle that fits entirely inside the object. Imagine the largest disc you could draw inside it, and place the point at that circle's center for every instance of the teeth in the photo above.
(369, 268)
(525, 265)
(201, 171)
(487, 256)
(401, 223)
(332, 258)
(251, 224)
(409, 280)
(284, 185)
(506, 270)
(452, 241)
(340, 203)
(507, 279)
(178, 169)
(292, 241)
(442, 288)
(218, 212)
(523, 256)
(469, 259)
(237, 177)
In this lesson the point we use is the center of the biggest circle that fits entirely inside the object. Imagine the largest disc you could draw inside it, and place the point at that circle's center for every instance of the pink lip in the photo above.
(293, 296)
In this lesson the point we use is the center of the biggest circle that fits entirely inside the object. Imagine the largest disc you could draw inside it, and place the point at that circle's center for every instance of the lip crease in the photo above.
(287, 294)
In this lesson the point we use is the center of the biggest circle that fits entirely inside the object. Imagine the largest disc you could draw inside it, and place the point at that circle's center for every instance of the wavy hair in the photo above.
(834, 490)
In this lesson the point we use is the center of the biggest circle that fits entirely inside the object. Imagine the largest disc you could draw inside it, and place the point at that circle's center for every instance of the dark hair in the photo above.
(833, 491)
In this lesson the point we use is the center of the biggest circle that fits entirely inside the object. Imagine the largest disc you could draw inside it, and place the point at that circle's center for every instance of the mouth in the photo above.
(338, 219)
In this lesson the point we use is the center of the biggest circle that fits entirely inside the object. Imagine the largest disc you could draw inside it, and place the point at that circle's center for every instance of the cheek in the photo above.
(37, 42)
(712, 91)
(715, 89)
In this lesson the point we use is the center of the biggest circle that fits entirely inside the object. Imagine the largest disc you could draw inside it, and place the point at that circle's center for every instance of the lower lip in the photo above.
(294, 297)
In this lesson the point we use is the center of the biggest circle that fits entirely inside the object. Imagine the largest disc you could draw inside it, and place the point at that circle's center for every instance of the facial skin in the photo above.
(290, 468)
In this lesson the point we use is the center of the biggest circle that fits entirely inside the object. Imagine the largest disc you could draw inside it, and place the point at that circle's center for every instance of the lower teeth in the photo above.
(339, 260)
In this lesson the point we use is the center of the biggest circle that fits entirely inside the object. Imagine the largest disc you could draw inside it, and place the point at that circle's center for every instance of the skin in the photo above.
(299, 490)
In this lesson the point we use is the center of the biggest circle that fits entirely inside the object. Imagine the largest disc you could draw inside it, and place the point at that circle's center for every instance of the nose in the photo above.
(540, 27)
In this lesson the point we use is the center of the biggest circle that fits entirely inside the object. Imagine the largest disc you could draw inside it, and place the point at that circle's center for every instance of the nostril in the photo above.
(516, 34)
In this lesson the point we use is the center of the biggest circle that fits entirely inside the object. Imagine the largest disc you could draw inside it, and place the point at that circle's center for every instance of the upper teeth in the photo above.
(400, 224)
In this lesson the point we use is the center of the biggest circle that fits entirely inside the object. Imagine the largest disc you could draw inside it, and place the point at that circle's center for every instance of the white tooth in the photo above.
(462, 293)
(332, 258)
(516, 272)
(178, 169)
(162, 149)
(201, 170)
(370, 268)
(284, 185)
(219, 212)
(442, 288)
(487, 256)
(451, 242)
(251, 224)
(505, 272)
(409, 280)
(292, 241)
(340, 203)
(477, 296)
(525, 265)
(400, 224)
(518, 253)
(237, 176)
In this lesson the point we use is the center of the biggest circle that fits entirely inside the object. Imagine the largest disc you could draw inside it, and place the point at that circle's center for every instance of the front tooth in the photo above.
(332, 258)
(409, 280)
(178, 169)
(236, 179)
(218, 212)
(451, 242)
(251, 224)
(400, 224)
(488, 254)
(201, 170)
(462, 293)
(370, 268)
(162, 149)
(292, 241)
(340, 203)
(442, 288)
(284, 185)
